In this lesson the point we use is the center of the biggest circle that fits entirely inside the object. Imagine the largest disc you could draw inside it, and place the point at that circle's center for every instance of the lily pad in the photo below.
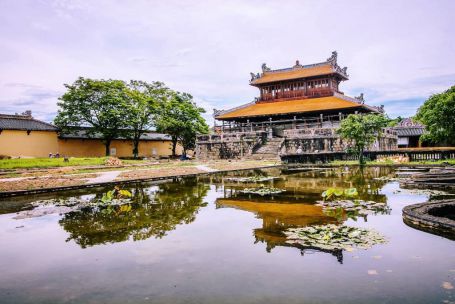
(251, 179)
(262, 191)
(333, 237)
(353, 208)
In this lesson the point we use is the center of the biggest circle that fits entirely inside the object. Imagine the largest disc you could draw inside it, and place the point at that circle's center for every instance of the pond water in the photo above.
(200, 240)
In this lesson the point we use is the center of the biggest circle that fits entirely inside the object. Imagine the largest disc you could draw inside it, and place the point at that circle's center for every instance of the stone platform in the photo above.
(436, 217)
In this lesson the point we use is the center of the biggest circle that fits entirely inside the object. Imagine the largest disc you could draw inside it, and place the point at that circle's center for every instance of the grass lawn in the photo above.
(18, 163)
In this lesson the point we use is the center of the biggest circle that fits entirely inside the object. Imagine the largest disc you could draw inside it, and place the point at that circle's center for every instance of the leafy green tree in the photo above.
(96, 104)
(362, 130)
(395, 121)
(438, 116)
(181, 118)
(142, 104)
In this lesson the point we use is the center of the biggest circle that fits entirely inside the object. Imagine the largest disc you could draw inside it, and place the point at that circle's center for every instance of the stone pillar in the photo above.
(270, 128)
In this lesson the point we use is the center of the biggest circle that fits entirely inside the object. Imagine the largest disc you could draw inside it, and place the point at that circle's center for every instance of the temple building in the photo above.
(298, 111)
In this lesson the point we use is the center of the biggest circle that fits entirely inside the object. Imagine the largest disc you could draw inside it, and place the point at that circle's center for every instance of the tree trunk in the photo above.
(135, 147)
(361, 160)
(107, 144)
(174, 146)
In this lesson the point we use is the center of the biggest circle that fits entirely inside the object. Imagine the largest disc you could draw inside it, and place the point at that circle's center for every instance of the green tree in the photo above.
(142, 104)
(362, 130)
(395, 121)
(181, 118)
(438, 116)
(96, 104)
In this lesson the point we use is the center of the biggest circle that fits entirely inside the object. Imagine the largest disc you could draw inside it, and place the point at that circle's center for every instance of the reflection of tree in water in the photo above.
(154, 212)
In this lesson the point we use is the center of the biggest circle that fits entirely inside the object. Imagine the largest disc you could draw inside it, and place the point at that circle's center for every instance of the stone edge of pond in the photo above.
(423, 166)
(409, 184)
(122, 182)
(417, 216)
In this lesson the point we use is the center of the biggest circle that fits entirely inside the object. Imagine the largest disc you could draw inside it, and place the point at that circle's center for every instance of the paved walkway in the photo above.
(205, 168)
(104, 177)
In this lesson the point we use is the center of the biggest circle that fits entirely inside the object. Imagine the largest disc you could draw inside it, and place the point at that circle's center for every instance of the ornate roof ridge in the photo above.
(361, 101)
(297, 66)
(217, 113)
(332, 61)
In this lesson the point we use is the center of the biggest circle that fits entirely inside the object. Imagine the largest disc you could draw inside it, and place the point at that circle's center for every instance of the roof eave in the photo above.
(280, 114)
(257, 83)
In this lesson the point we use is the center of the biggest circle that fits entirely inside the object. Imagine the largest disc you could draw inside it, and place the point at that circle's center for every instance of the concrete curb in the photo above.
(125, 182)
(419, 217)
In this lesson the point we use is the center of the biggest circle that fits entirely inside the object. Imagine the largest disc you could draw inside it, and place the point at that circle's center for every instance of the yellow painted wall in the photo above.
(37, 144)
(41, 143)
(124, 148)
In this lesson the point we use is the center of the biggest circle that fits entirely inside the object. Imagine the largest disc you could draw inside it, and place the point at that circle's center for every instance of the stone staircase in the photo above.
(269, 150)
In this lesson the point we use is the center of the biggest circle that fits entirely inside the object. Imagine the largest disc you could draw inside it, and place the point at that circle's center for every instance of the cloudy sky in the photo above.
(397, 52)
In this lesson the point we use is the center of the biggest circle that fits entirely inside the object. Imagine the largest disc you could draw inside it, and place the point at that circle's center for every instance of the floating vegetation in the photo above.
(335, 192)
(60, 202)
(251, 179)
(333, 237)
(354, 207)
(262, 191)
(116, 200)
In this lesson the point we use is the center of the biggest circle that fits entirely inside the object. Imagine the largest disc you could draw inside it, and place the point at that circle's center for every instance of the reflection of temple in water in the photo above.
(296, 207)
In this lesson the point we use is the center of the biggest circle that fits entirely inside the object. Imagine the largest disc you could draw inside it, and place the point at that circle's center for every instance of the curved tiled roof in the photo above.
(295, 106)
(296, 73)
(22, 122)
(409, 131)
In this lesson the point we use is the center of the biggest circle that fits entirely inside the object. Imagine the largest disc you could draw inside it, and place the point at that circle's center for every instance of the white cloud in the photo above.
(394, 50)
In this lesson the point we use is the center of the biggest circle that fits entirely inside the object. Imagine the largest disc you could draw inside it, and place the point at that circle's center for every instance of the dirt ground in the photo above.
(74, 176)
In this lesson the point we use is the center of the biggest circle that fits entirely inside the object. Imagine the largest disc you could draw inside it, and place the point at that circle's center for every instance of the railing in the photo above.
(426, 154)
(297, 94)
(230, 137)
(327, 121)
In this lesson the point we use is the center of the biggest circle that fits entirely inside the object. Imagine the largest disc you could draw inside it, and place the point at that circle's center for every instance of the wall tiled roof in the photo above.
(83, 134)
(21, 122)
(294, 106)
(409, 131)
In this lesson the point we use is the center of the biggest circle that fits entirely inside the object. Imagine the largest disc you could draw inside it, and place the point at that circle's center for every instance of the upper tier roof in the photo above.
(336, 102)
(298, 71)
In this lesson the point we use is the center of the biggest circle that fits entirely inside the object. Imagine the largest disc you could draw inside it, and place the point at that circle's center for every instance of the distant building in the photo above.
(409, 132)
(21, 135)
(298, 111)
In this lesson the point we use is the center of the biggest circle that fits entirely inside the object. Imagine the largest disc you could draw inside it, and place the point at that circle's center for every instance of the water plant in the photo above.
(114, 201)
(116, 194)
(262, 190)
(251, 179)
(333, 237)
(353, 207)
(330, 193)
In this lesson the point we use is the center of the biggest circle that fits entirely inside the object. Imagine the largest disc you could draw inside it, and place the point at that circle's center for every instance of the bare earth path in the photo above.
(74, 176)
